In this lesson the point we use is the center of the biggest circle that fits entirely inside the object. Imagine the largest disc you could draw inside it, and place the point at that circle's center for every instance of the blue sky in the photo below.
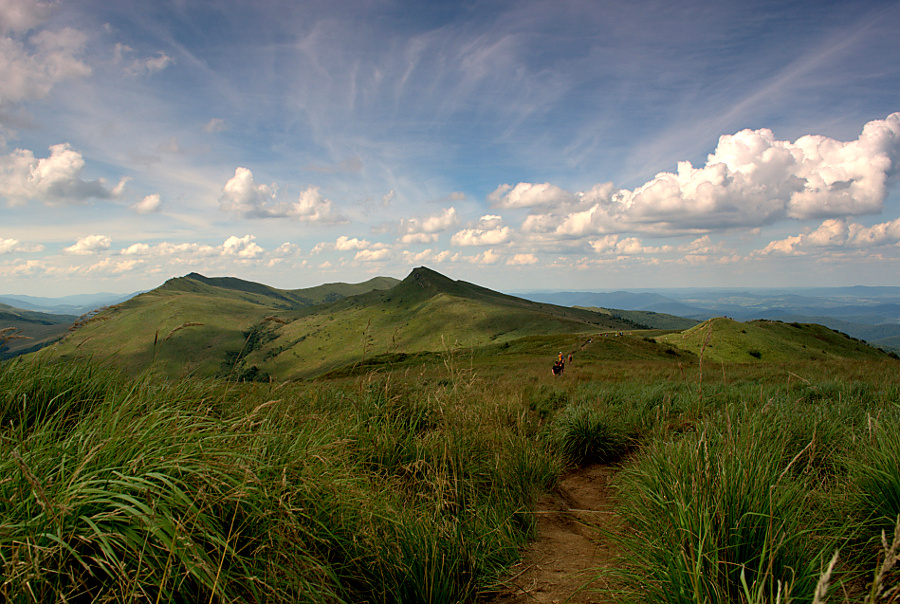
(518, 145)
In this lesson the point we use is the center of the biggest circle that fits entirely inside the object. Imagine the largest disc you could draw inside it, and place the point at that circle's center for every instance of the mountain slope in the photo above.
(727, 340)
(216, 326)
(426, 312)
(191, 324)
(22, 331)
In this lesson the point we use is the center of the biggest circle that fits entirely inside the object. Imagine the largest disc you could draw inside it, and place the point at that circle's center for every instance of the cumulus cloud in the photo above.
(242, 196)
(89, 245)
(528, 195)
(242, 247)
(751, 179)
(486, 257)
(473, 237)
(286, 250)
(53, 179)
(426, 229)
(346, 244)
(522, 260)
(837, 234)
(29, 268)
(148, 205)
(110, 266)
(9, 246)
(372, 255)
(136, 249)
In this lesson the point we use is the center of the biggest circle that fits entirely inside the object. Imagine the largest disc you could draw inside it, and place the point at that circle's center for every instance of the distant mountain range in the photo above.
(76, 305)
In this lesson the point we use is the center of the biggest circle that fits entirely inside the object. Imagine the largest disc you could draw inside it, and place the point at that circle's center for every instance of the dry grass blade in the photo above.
(180, 327)
(878, 592)
(824, 581)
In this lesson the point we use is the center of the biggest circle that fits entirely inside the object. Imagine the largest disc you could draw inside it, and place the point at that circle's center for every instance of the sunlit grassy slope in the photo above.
(192, 324)
(427, 312)
(726, 340)
(196, 325)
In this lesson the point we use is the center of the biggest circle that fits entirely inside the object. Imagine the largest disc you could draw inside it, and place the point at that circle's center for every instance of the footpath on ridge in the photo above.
(571, 548)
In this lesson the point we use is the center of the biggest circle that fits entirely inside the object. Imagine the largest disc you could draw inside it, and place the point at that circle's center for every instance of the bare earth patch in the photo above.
(562, 564)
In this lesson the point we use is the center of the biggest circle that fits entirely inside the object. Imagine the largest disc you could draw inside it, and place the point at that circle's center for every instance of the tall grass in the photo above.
(750, 500)
(124, 490)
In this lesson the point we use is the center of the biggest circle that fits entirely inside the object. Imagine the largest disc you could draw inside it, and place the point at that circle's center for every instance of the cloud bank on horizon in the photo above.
(536, 145)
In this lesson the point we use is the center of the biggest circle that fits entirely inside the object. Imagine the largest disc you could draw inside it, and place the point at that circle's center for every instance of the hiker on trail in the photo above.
(558, 368)
(570, 358)
(560, 359)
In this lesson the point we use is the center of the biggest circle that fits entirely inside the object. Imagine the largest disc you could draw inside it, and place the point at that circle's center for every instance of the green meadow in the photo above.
(407, 467)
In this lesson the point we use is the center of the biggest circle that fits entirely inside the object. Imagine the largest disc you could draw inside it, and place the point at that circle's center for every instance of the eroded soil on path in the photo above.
(562, 564)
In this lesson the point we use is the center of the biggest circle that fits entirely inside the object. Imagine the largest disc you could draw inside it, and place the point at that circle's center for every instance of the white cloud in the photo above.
(53, 179)
(522, 260)
(345, 243)
(186, 250)
(528, 195)
(29, 268)
(89, 245)
(110, 266)
(486, 257)
(426, 229)
(242, 196)
(242, 247)
(489, 221)
(472, 237)
(286, 250)
(8, 246)
(372, 255)
(751, 179)
(22, 15)
(419, 257)
(29, 69)
(837, 234)
(136, 249)
(148, 205)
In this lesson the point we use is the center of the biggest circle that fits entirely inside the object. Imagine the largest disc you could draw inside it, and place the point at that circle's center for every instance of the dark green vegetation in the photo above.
(409, 469)
(23, 331)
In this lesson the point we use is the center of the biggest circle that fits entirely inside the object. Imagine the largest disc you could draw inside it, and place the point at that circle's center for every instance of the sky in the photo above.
(520, 145)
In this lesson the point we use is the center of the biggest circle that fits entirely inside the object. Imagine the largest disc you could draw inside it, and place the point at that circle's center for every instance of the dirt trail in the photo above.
(561, 564)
